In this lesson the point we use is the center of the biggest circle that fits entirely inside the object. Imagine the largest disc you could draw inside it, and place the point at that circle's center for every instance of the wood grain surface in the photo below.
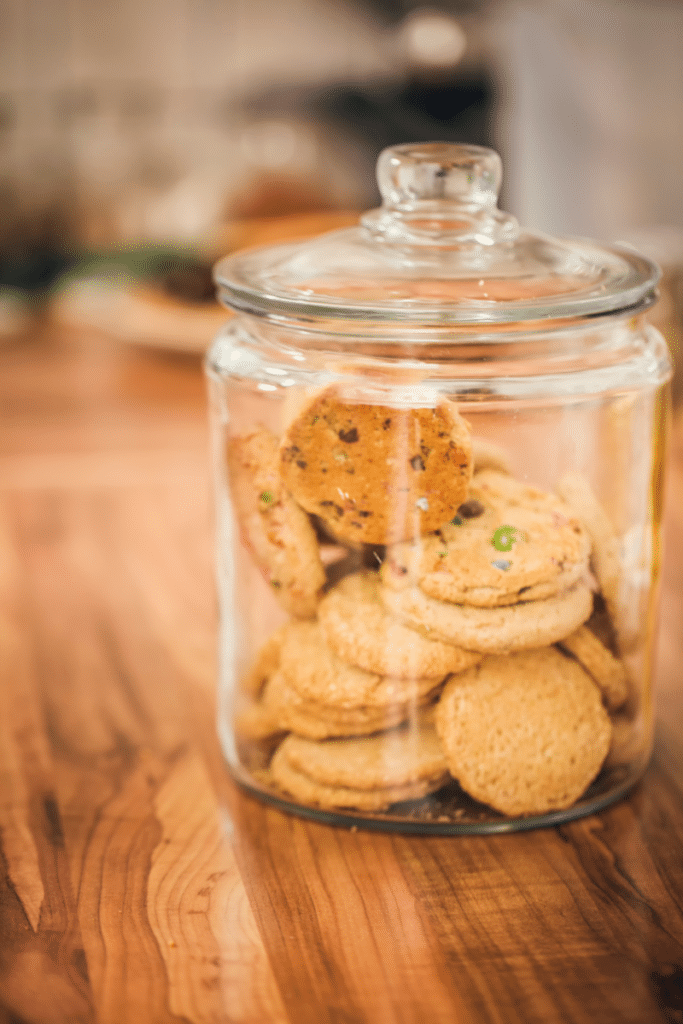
(137, 884)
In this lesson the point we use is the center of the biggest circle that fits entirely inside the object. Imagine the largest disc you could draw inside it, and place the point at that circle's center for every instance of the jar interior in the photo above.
(502, 515)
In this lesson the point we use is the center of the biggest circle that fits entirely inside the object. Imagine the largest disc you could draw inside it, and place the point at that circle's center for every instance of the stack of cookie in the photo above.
(451, 645)
(507, 573)
(358, 687)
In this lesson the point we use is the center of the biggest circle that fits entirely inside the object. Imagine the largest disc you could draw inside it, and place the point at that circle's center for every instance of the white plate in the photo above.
(138, 315)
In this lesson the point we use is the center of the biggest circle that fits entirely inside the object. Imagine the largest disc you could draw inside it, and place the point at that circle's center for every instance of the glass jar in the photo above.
(439, 447)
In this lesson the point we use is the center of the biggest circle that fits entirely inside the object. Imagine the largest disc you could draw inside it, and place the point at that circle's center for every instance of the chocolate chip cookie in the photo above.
(376, 473)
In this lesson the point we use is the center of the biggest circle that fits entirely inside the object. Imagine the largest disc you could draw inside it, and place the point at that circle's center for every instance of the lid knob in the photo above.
(441, 193)
(461, 174)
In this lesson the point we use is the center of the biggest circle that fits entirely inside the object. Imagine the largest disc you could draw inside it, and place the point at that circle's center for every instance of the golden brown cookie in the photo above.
(268, 704)
(508, 542)
(281, 709)
(318, 674)
(488, 455)
(308, 791)
(369, 773)
(526, 733)
(514, 627)
(606, 670)
(267, 662)
(257, 717)
(358, 628)
(274, 528)
(377, 474)
(578, 494)
(631, 742)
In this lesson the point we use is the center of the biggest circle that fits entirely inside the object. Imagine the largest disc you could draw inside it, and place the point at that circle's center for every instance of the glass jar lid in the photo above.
(438, 250)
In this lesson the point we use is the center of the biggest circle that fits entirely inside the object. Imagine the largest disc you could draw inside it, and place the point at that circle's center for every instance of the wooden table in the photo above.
(138, 885)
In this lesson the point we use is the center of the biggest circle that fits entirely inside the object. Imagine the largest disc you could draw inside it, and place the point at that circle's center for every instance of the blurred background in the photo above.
(158, 133)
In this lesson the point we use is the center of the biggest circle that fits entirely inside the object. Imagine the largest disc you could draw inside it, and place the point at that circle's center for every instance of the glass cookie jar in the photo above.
(438, 446)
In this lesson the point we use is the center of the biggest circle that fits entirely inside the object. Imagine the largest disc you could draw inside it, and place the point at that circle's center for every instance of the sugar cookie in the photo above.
(577, 492)
(607, 671)
(367, 774)
(526, 733)
(357, 626)
(318, 674)
(493, 630)
(276, 530)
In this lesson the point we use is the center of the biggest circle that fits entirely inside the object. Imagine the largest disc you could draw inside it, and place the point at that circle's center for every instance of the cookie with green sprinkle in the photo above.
(508, 542)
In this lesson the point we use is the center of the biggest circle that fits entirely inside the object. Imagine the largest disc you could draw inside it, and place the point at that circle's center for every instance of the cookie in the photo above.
(358, 628)
(631, 742)
(256, 717)
(279, 708)
(514, 627)
(377, 474)
(365, 774)
(525, 734)
(307, 791)
(508, 542)
(606, 670)
(577, 493)
(278, 532)
(267, 662)
(318, 674)
(488, 455)
(268, 703)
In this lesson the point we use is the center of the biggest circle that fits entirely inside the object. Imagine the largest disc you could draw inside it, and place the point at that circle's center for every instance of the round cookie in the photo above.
(488, 455)
(256, 717)
(370, 773)
(526, 733)
(358, 628)
(281, 709)
(514, 627)
(394, 758)
(606, 670)
(318, 674)
(274, 528)
(575, 490)
(268, 704)
(377, 474)
(631, 742)
(267, 662)
(509, 542)
(308, 791)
